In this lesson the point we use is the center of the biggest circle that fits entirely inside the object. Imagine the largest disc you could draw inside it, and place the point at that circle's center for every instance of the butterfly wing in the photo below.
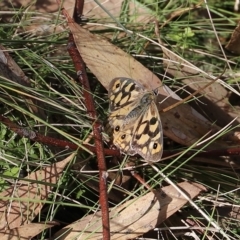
(122, 92)
(124, 96)
(123, 138)
(147, 139)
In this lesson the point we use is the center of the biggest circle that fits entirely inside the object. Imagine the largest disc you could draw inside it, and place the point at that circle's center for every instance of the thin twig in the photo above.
(49, 141)
(82, 76)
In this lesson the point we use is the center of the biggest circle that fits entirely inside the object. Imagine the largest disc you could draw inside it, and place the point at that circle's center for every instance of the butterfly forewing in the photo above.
(122, 92)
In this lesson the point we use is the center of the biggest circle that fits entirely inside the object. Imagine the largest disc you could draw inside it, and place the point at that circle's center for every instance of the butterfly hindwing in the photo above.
(147, 139)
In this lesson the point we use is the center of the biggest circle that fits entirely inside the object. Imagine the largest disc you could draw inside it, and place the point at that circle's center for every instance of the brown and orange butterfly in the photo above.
(135, 119)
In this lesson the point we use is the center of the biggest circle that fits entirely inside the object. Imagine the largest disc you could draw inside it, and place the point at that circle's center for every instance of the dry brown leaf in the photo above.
(234, 43)
(133, 218)
(11, 71)
(137, 12)
(182, 124)
(20, 203)
(40, 23)
(215, 96)
(27, 231)
(42, 6)
(44, 24)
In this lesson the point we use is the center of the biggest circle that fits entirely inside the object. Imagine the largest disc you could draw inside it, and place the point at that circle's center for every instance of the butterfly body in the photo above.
(135, 119)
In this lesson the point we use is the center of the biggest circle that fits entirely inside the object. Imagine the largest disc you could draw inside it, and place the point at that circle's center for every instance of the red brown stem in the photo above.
(36, 137)
(82, 76)
(79, 8)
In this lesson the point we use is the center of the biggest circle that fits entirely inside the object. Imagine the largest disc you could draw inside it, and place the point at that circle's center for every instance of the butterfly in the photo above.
(134, 119)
